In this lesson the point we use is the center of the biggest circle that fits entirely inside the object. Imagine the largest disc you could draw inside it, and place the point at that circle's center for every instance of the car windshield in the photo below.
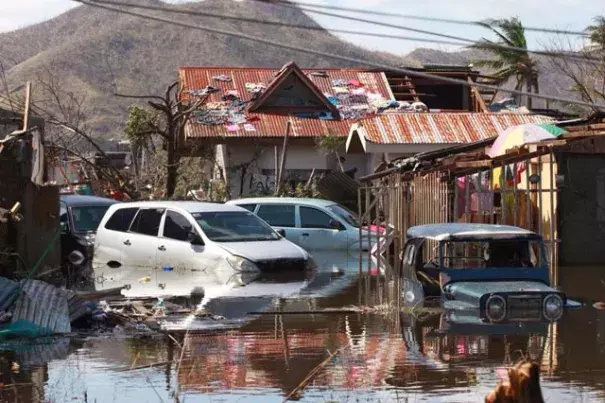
(87, 218)
(346, 214)
(234, 226)
(493, 253)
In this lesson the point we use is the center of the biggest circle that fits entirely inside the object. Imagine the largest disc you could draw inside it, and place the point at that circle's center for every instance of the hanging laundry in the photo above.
(340, 90)
(333, 100)
(235, 93)
(319, 74)
(249, 127)
(339, 83)
(215, 105)
(252, 118)
(222, 78)
(232, 127)
(358, 91)
(255, 87)
(355, 83)
(229, 97)
(374, 96)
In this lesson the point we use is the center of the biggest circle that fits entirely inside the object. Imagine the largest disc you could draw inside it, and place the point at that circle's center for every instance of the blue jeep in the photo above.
(494, 273)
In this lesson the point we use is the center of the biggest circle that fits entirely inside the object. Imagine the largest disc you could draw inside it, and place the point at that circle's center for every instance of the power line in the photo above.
(275, 23)
(409, 72)
(468, 41)
(297, 3)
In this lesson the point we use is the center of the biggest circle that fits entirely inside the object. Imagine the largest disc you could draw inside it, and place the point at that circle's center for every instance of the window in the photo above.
(249, 207)
(121, 219)
(147, 222)
(176, 226)
(314, 218)
(87, 218)
(63, 213)
(350, 217)
(278, 215)
(234, 226)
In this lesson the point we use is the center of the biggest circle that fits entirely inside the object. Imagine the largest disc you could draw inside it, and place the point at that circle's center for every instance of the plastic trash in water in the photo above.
(167, 268)
(145, 279)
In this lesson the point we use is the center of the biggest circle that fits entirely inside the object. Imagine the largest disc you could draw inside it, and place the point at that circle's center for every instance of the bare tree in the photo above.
(585, 73)
(66, 133)
(166, 119)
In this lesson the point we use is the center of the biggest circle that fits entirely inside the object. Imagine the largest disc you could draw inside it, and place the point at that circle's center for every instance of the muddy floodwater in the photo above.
(336, 357)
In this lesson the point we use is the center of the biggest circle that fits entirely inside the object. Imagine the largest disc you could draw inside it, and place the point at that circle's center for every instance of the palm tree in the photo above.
(596, 32)
(510, 64)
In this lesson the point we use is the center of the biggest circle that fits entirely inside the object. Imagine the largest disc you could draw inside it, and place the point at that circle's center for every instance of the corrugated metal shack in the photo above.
(555, 188)
(22, 180)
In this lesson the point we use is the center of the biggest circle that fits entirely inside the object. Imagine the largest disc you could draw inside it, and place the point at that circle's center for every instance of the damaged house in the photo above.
(28, 206)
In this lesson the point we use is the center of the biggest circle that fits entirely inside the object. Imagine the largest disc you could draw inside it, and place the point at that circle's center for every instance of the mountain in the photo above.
(93, 51)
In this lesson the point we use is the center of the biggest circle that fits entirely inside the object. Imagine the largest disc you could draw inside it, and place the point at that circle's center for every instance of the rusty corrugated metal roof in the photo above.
(440, 128)
(273, 124)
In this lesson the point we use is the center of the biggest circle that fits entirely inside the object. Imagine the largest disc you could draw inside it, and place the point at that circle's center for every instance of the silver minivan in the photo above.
(177, 248)
(313, 224)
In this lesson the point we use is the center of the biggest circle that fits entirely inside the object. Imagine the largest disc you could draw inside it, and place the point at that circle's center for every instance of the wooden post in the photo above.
(28, 88)
(284, 154)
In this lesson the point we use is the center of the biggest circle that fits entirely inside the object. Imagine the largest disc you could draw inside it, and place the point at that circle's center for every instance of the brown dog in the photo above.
(523, 385)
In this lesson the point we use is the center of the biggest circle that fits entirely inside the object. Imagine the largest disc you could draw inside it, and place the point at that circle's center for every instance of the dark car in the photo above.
(80, 217)
(493, 273)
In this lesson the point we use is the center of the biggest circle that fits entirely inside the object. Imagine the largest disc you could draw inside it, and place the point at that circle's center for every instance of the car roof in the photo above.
(469, 232)
(284, 200)
(83, 200)
(190, 206)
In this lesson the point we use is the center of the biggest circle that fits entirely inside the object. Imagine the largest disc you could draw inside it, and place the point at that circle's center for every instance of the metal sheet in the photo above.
(43, 305)
(273, 124)
(441, 128)
(8, 293)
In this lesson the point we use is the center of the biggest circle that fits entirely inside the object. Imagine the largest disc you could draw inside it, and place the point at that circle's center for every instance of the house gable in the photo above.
(292, 90)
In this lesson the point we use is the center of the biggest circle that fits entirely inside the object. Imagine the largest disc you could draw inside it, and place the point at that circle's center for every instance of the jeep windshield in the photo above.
(234, 226)
(493, 253)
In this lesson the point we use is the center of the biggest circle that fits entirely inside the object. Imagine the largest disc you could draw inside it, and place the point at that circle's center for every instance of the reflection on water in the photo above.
(378, 359)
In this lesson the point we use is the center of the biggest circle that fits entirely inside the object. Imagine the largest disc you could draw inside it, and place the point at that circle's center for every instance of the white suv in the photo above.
(180, 248)
(313, 224)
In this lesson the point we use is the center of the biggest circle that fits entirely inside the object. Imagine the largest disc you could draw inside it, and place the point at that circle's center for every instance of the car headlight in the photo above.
(90, 237)
(553, 307)
(495, 308)
(76, 258)
(246, 270)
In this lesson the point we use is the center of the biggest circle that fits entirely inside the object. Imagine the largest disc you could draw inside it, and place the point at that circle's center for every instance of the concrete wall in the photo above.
(300, 161)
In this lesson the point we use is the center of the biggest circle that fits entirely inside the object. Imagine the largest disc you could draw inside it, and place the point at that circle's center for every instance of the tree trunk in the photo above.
(528, 86)
(172, 164)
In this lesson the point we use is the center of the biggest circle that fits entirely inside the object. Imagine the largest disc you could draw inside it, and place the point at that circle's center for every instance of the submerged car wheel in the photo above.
(553, 307)
(495, 308)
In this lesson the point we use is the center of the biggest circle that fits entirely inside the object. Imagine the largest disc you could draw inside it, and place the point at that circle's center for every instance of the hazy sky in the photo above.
(562, 14)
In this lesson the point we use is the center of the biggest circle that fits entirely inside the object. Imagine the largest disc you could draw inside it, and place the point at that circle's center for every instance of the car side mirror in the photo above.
(195, 239)
(335, 225)
(281, 232)
(64, 228)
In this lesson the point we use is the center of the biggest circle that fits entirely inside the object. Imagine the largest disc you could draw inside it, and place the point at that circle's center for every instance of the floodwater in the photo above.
(343, 356)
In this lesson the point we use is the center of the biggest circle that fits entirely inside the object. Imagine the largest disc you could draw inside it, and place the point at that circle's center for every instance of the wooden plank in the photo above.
(594, 126)
(473, 164)
(589, 133)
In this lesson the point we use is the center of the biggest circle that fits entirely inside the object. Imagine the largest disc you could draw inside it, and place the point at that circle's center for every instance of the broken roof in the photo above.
(258, 102)
(437, 128)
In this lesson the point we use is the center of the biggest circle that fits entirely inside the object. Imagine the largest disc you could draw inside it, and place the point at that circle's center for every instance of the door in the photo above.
(176, 256)
(281, 216)
(413, 291)
(317, 230)
(139, 242)
(173, 248)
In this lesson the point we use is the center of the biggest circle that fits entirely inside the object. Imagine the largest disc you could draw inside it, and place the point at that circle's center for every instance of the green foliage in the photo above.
(141, 125)
(596, 32)
(510, 64)
(330, 143)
